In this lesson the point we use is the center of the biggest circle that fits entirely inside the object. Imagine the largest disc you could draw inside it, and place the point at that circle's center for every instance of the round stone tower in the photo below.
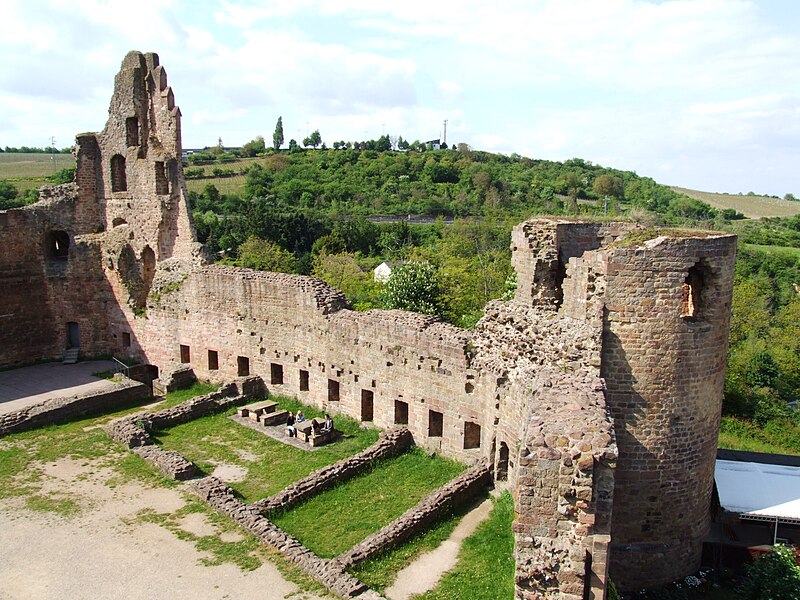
(666, 311)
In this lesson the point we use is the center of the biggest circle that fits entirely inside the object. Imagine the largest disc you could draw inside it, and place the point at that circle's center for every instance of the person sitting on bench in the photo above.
(290, 428)
(300, 417)
(327, 426)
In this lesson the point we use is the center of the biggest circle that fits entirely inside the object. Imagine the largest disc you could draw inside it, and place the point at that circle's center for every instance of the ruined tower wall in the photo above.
(49, 279)
(662, 303)
(664, 370)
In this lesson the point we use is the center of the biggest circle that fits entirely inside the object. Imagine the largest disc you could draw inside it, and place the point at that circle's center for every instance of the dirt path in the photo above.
(104, 552)
(424, 573)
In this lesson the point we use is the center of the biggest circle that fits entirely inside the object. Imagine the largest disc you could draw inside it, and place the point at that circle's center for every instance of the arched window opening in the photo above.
(132, 131)
(58, 245)
(694, 292)
(119, 182)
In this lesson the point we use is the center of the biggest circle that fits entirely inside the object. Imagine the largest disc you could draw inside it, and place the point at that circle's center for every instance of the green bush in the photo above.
(775, 576)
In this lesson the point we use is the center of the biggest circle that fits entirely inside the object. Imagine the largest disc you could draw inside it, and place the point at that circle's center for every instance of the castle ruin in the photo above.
(596, 392)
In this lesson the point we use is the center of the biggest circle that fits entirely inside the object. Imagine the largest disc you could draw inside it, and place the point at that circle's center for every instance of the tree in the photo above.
(263, 255)
(277, 137)
(8, 191)
(790, 197)
(343, 272)
(415, 286)
(315, 139)
(608, 185)
(253, 147)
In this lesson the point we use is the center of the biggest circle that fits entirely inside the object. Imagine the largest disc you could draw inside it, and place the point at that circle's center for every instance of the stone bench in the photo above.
(255, 410)
(274, 418)
(311, 432)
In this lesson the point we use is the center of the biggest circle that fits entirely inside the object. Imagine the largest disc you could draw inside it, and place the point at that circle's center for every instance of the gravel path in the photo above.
(102, 552)
(425, 572)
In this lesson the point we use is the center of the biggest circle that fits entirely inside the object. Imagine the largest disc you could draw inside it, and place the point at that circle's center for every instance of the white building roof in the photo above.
(759, 491)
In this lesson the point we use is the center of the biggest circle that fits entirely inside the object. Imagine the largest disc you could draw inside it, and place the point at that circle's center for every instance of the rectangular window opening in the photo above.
(213, 360)
(435, 423)
(126, 339)
(367, 401)
(472, 435)
(276, 374)
(400, 412)
(242, 366)
(303, 380)
(186, 354)
(333, 390)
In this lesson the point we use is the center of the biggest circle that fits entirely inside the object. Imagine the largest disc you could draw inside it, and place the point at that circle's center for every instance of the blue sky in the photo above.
(697, 93)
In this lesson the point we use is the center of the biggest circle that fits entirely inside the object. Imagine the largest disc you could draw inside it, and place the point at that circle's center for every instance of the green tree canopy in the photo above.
(415, 286)
(263, 255)
(253, 147)
(277, 136)
(315, 139)
(608, 185)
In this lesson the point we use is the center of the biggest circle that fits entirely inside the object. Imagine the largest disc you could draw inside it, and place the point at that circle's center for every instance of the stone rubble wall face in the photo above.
(41, 294)
(456, 493)
(391, 443)
(63, 410)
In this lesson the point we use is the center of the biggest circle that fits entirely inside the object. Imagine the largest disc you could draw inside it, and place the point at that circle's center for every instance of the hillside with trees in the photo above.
(336, 213)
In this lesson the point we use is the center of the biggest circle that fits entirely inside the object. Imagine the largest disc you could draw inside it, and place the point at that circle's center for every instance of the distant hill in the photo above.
(753, 207)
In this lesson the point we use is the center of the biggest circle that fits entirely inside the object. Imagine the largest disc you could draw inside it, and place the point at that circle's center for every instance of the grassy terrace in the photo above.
(338, 519)
(270, 465)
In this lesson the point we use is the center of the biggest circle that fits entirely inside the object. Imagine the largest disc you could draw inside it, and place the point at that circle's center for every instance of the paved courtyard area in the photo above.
(27, 386)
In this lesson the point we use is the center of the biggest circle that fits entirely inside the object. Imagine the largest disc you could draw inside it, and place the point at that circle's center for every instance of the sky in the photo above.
(703, 94)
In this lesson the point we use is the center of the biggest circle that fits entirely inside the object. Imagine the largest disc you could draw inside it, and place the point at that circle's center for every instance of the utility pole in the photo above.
(445, 131)
(52, 152)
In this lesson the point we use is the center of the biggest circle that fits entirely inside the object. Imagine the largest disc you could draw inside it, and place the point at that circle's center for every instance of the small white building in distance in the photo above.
(383, 271)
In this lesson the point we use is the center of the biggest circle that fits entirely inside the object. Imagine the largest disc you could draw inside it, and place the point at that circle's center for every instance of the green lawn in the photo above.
(778, 250)
(777, 437)
(30, 171)
(338, 519)
(270, 465)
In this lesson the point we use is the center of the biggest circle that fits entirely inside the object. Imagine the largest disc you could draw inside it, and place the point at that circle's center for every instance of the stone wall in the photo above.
(661, 301)
(134, 430)
(63, 410)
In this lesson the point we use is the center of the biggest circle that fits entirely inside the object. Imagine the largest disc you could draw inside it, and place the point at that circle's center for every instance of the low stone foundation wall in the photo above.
(63, 410)
(391, 443)
(171, 463)
(134, 430)
(454, 494)
(330, 573)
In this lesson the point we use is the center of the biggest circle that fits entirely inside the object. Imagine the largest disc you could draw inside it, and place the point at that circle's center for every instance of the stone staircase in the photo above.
(70, 356)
